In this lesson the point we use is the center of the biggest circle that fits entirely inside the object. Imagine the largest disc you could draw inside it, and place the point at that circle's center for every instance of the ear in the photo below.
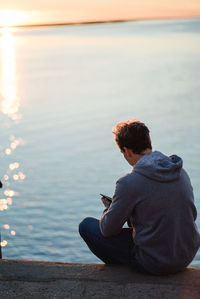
(128, 152)
(122, 150)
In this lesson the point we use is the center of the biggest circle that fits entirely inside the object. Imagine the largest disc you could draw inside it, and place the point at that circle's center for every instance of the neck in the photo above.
(146, 152)
(137, 157)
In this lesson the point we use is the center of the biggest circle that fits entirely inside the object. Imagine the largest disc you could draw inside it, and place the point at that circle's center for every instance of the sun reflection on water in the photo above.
(13, 145)
(13, 174)
(9, 106)
(9, 101)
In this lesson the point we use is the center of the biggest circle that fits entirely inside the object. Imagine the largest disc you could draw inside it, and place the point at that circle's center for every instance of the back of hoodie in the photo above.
(157, 197)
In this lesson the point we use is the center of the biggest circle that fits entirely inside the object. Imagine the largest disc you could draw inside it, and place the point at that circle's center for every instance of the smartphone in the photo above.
(107, 197)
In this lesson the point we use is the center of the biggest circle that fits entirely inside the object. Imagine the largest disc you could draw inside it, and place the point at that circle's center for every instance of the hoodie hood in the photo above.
(159, 167)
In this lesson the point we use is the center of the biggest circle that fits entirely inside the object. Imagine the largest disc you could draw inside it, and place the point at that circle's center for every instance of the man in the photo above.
(156, 199)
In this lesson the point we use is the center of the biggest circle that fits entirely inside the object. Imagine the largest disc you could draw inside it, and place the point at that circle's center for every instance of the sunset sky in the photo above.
(51, 11)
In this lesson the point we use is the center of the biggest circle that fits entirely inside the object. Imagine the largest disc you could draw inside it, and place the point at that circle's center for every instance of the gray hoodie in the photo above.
(157, 198)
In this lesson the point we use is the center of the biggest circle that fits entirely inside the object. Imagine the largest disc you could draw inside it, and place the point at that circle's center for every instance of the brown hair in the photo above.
(132, 134)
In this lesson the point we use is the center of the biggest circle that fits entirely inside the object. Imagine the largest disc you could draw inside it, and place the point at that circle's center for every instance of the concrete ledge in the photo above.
(35, 279)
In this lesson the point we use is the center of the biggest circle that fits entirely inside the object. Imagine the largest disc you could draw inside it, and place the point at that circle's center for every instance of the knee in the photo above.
(84, 226)
(89, 226)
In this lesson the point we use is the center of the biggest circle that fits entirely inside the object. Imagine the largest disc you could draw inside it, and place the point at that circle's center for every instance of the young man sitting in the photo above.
(156, 198)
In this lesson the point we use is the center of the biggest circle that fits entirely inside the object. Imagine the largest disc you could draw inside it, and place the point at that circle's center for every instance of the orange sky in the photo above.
(51, 11)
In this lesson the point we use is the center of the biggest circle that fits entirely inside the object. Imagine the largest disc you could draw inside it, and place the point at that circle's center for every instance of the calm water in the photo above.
(62, 89)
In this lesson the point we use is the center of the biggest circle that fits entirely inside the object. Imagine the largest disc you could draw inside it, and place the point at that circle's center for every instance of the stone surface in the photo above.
(35, 279)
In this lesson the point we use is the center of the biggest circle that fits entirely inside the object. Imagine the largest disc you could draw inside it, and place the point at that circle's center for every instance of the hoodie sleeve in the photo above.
(119, 211)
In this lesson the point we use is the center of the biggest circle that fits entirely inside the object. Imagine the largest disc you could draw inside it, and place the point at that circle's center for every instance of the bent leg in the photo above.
(111, 250)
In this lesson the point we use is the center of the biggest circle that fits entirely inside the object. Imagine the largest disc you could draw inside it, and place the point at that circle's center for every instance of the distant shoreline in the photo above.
(95, 22)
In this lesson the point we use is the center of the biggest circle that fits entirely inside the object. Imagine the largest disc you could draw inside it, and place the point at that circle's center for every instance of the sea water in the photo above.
(62, 89)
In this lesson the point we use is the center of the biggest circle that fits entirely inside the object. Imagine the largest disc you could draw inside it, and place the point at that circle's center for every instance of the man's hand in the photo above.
(106, 202)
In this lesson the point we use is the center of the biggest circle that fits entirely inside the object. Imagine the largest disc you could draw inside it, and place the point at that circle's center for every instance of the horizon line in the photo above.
(98, 22)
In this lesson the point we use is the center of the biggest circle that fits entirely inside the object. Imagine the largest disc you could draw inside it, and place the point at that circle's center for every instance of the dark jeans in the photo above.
(119, 249)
